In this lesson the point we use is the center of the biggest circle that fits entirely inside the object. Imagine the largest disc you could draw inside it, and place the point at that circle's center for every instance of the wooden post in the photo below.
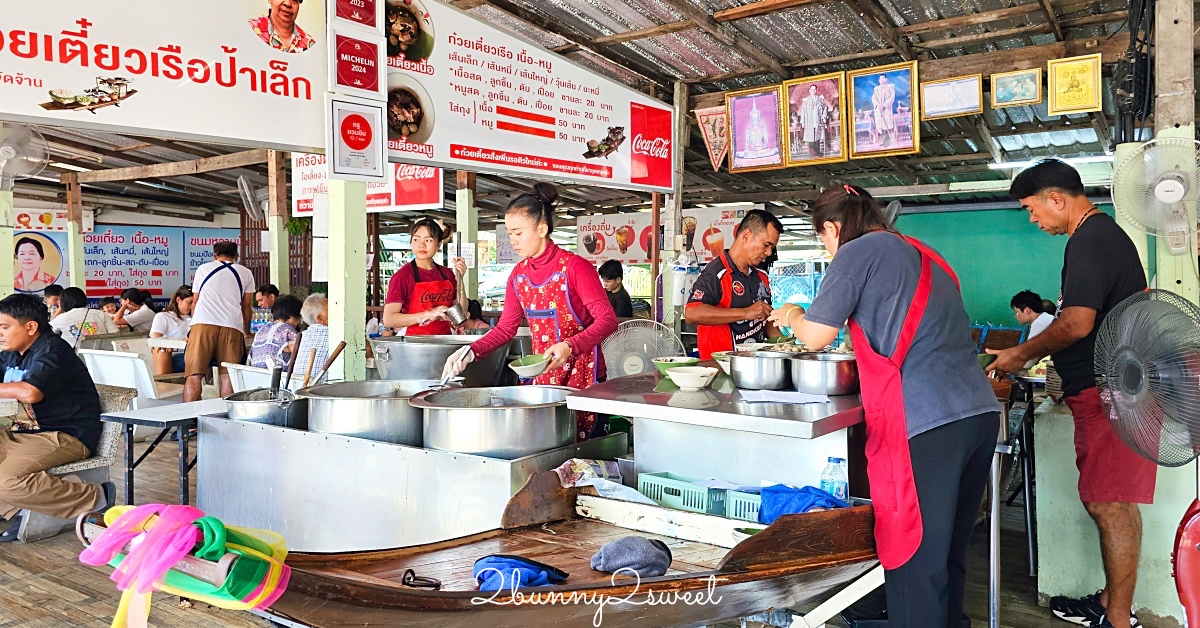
(347, 277)
(74, 261)
(656, 311)
(674, 223)
(6, 242)
(467, 225)
(373, 249)
(1174, 116)
(279, 259)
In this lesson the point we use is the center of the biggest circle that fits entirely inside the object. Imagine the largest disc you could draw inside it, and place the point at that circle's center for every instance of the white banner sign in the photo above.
(49, 219)
(623, 237)
(219, 71)
(407, 187)
(709, 231)
(462, 93)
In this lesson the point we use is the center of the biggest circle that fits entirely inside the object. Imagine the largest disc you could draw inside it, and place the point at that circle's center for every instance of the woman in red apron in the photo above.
(559, 294)
(932, 418)
(421, 291)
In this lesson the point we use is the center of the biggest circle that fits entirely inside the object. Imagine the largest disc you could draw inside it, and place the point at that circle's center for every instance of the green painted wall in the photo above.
(996, 253)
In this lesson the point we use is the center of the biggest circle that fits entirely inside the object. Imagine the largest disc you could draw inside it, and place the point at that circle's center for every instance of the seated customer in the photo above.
(315, 313)
(134, 312)
(474, 317)
(172, 322)
(109, 306)
(77, 320)
(274, 344)
(59, 421)
(1028, 307)
(612, 275)
(53, 296)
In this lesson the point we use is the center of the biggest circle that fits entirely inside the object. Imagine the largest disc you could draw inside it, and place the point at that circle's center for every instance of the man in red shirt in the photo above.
(731, 299)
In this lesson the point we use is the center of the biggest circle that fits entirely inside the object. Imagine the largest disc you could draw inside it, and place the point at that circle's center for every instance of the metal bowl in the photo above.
(759, 370)
(423, 357)
(258, 406)
(825, 373)
(375, 410)
(505, 422)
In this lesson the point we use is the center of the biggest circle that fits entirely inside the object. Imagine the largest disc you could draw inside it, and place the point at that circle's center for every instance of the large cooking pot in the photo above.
(258, 406)
(374, 410)
(505, 422)
(423, 357)
(825, 373)
(759, 370)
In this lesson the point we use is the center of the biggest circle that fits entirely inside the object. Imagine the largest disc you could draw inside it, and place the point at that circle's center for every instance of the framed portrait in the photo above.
(816, 133)
(1017, 89)
(947, 98)
(1074, 85)
(884, 107)
(756, 139)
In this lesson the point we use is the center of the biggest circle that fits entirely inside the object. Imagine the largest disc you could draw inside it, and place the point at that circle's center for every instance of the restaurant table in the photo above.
(179, 416)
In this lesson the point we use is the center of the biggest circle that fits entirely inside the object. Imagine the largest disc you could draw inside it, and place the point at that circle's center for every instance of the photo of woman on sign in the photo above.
(30, 275)
(278, 28)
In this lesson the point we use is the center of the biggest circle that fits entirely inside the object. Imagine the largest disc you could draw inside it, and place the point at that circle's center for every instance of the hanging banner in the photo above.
(623, 237)
(212, 71)
(708, 231)
(714, 126)
(49, 219)
(462, 93)
(407, 187)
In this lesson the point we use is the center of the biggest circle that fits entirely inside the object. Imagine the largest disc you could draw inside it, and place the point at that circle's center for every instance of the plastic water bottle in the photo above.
(833, 480)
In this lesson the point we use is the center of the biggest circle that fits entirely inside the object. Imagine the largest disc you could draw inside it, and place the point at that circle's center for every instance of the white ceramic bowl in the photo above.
(692, 378)
(722, 360)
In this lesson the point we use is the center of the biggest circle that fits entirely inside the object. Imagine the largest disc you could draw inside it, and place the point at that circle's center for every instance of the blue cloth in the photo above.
(782, 500)
(501, 572)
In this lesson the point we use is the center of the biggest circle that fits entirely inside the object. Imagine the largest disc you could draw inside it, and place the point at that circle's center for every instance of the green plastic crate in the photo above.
(680, 492)
(743, 506)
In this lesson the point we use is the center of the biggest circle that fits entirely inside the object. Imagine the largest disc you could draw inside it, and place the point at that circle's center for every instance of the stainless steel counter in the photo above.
(715, 434)
(653, 396)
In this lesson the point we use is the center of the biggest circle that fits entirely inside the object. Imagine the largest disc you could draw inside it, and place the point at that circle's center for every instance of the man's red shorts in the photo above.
(1109, 471)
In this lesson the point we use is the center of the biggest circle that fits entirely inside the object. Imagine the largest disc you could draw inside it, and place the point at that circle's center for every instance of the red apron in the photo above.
(713, 338)
(427, 295)
(898, 526)
(552, 320)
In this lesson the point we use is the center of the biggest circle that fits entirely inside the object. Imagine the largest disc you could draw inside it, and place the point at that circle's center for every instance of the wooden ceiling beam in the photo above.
(877, 19)
(965, 40)
(973, 19)
(634, 35)
(176, 169)
(1052, 19)
(762, 7)
(1089, 20)
(1023, 58)
(742, 45)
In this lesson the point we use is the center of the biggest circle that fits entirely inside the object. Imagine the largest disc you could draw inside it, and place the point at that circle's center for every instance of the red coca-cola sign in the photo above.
(357, 11)
(419, 186)
(357, 63)
(651, 147)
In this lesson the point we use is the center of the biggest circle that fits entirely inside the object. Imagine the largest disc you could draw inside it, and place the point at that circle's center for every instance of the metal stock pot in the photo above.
(422, 357)
(501, 422)
(374, 410)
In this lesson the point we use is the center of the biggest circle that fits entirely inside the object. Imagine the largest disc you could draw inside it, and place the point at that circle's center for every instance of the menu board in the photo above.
(462, 93)
(407, 187)
(623, 237)
(708, 231)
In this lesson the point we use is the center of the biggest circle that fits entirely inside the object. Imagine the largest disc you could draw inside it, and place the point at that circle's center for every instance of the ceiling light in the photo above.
(1090, 159)
(58, 164)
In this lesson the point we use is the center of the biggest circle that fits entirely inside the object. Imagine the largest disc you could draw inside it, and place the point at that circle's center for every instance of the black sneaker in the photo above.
(1104, 623)
(1085, 611)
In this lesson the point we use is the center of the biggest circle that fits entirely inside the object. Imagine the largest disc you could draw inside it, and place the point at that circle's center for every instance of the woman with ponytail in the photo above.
(932, 418)
(558, 293)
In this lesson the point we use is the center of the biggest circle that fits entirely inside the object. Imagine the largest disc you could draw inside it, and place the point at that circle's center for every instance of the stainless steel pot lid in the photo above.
(494, 397)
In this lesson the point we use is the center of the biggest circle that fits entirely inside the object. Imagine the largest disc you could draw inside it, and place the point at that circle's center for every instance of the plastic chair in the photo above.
(93, 470)
(140, 346)
(244, 377)
(129, 370)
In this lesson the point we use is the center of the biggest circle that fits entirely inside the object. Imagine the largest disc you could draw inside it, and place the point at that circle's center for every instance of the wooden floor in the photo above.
(43, 585)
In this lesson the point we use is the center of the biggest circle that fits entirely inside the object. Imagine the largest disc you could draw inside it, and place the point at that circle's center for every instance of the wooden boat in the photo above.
(794, 560)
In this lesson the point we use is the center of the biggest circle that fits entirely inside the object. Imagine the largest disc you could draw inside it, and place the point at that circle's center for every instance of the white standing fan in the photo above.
(23, 154)
(254, 201)
(1155, 188)
(632, 348)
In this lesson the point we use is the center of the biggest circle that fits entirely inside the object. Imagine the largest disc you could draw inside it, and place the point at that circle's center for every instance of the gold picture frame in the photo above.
(1074, 85)
(950, 97)
(794, 110)
(751, 147)
(1014, 89)
(867, 141)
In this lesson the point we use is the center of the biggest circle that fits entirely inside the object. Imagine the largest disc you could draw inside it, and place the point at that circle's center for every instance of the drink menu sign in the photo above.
(407, 187)
(623, 237)
(462, 93)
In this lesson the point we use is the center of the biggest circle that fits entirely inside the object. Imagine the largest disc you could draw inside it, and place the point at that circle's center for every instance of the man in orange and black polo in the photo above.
(731, 300)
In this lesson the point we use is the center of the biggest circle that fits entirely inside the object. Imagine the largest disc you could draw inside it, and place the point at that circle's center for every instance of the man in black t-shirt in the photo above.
(731, 299)
(58, 421)
(613, 278)
(1101, 268)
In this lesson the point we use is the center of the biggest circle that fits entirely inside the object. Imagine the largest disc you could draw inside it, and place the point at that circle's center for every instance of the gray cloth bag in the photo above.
(649, 558)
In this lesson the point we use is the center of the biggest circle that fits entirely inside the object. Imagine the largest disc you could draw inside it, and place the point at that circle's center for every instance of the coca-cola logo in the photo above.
(445, 297)
(657, 147)
(410, 171)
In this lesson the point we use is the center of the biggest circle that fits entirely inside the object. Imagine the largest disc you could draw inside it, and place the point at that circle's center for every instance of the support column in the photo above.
(6, 239)
(348, 277)
(672, 219)
(279, 259)
(74, 262)
(1174, 116)
(467, 225)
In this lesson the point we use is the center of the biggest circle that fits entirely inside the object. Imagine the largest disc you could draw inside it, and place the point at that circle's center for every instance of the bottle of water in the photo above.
(833, 480)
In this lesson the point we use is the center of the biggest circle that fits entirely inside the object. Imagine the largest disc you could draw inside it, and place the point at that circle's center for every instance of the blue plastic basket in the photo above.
(680, 492)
